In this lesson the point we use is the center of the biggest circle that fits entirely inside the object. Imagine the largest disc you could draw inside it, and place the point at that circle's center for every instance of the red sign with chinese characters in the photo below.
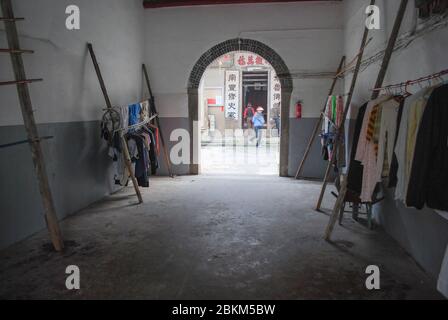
(247, 59)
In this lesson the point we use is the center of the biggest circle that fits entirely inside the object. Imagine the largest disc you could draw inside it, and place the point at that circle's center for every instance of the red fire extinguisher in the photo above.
(299, 110)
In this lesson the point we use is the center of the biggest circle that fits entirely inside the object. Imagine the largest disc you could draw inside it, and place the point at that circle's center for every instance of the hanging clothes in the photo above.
(141, 161)
(375, 143)
(124, 118)
(121, 176)
(156, 132)
(333, 108)
(332, 121)
(153, 152)
(393, 178)
(339, 111)
(404, 149)
(388, 129)
(428, 181)
(355, 173)
(145, 112)
(142, 143)
(134, 114)
(334, 112)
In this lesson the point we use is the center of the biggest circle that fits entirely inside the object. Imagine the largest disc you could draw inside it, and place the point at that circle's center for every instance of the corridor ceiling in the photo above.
(151, 4)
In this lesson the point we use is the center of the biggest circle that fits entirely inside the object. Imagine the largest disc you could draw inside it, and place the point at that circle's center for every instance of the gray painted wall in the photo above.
(168, 125)
(300, 131)
(424, 234)
(68, 105)
(78, 168)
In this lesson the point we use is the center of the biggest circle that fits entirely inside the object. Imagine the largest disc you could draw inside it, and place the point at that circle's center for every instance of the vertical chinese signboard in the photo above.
(232, 99)
(276, 92)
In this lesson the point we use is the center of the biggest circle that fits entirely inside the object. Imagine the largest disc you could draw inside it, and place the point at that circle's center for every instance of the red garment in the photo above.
(156, 133)
(339, 111)
(247, 110)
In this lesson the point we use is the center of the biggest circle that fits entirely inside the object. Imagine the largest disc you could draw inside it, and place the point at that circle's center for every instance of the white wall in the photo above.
(308, 36)
(70, 91)
(213, 78)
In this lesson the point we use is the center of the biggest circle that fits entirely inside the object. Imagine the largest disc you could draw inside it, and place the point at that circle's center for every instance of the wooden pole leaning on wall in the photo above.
(390, 47)
(319, 123)
(127, 158)
(379, 82)
(31, 127)
(154, 111)
(341, 131)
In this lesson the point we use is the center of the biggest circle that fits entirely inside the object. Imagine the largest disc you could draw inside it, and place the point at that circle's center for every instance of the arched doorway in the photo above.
(193, 93)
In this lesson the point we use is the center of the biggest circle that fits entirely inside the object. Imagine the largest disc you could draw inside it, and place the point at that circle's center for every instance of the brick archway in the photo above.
(277, 64)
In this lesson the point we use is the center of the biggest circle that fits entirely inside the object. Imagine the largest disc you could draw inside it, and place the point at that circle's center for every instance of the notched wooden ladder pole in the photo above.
(154, 111)
(30, 124)
(319, 122)
(127, 157)
(379, 82)
(341, 130)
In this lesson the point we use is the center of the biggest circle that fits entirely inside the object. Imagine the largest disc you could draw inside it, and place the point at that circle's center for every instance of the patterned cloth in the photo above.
(371, 153)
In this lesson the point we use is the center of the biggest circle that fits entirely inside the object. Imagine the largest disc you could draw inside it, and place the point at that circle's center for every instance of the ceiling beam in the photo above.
(152, 4)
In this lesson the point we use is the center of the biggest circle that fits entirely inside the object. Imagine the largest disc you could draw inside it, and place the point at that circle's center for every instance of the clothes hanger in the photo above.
(406, 92)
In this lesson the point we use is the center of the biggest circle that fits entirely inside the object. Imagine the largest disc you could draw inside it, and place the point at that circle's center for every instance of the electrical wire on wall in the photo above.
(436, 22)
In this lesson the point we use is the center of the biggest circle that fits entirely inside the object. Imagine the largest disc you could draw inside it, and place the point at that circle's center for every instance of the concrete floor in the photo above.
(212, 237)
(241, 159)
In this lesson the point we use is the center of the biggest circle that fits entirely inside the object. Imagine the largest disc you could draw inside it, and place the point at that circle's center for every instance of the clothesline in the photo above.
(117, 108)
(137, 125)
(353, 61)
(406, 84)
(330, 121)
(346, 68)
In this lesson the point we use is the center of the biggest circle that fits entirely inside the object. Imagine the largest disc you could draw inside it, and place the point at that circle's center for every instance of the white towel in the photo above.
(124, 117)
(145, 110)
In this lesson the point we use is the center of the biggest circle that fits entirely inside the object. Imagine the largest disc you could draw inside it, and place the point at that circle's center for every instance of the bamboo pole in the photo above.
(99, 75)
(381, 75)
(319, 122)
(127, 158)
(390, 47)
(341, 130)
(128, 163)
(154, 111)
(31, 127)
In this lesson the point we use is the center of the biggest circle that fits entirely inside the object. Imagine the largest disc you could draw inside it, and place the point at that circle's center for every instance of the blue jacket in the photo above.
(258, 120)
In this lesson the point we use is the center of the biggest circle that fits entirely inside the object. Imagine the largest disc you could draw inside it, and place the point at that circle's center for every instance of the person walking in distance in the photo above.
(248, 115)
(259, 122)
